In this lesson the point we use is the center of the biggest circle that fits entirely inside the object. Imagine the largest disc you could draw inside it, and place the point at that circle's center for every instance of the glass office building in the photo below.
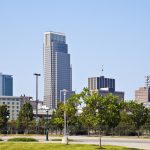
(57, 68)
(6, 85)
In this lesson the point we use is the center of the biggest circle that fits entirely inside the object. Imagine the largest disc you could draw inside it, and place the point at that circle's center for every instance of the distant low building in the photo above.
(106, 91)
(147, 105)
(67, 96)
(33, 103)
(142, 95)
(42, 111)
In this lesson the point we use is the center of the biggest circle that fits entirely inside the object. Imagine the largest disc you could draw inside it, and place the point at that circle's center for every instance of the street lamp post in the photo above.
(65, 138)
(7, 123)
(37, 75)
(46, 124)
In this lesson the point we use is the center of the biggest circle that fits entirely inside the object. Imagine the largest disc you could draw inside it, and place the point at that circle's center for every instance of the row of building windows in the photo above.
(13, 111)
(13, 107)
(10, 99)
(17, 103)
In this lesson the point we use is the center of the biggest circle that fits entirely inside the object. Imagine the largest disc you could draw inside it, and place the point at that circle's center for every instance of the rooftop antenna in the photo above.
(102, 70)
(147, 81)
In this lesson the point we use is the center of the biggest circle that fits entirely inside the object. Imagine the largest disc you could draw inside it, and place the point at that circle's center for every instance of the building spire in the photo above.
(102, 70)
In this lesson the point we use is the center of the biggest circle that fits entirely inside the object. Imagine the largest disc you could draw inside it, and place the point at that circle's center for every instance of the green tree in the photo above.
(25, 117)
(4, 116)
(113, 108)
(88, 110)
(138, 113)
(12, 126)
(147, 123)
(94, 110)
(58, 118)
(125, 126)
(71, 112)
(100, 111)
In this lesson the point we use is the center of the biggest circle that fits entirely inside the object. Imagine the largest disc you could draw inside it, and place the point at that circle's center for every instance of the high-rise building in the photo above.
(57, 68)
(6, 85)
(104, 86)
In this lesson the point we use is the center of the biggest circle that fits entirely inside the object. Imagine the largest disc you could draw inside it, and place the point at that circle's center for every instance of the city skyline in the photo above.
(113, 34)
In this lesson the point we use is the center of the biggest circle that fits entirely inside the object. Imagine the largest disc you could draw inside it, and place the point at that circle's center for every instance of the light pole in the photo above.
(65, 138)
(7, 123)
(37, 75)
(47, 124)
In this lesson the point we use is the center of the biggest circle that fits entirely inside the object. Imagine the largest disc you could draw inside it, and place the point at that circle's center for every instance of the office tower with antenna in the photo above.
(104, 86)
(142, 95)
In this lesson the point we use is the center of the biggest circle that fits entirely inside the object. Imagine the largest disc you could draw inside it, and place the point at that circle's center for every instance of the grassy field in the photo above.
(46, 146)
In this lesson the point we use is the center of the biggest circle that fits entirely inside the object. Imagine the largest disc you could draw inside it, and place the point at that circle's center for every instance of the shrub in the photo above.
(1, 140)
(70, 140)
(22, 140)
(56, 139)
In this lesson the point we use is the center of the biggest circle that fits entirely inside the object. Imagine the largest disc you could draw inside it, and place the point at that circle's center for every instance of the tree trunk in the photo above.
(112, 130)
(100, 141)
(56, 131)
(88, 131)
(138, 133)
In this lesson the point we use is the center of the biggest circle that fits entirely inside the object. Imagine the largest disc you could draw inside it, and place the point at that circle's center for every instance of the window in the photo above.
(8, 102)
(13, 103)
(3, 102)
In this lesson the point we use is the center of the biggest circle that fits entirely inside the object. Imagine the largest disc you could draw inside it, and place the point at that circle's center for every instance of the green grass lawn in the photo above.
(47, 146)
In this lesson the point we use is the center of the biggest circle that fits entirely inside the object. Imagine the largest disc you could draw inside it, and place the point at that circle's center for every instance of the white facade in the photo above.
(57, 69)
(13, 105)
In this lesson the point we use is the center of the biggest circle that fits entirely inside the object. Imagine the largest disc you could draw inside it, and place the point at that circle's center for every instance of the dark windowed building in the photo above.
(104, 86)
(95, 83)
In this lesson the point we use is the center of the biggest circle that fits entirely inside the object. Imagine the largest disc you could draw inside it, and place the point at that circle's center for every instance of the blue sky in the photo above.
(115, 34)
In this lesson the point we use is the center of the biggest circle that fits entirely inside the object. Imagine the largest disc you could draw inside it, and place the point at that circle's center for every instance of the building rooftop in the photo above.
(48, 32)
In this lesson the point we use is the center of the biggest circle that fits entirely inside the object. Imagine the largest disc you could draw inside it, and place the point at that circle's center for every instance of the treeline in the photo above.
(100, 115)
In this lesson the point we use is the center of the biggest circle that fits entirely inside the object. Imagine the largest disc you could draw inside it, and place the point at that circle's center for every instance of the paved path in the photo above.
(128, 142)
(131, 142)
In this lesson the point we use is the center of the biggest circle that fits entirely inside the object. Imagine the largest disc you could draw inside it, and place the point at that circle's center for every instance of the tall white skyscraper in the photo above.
(57, 68)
